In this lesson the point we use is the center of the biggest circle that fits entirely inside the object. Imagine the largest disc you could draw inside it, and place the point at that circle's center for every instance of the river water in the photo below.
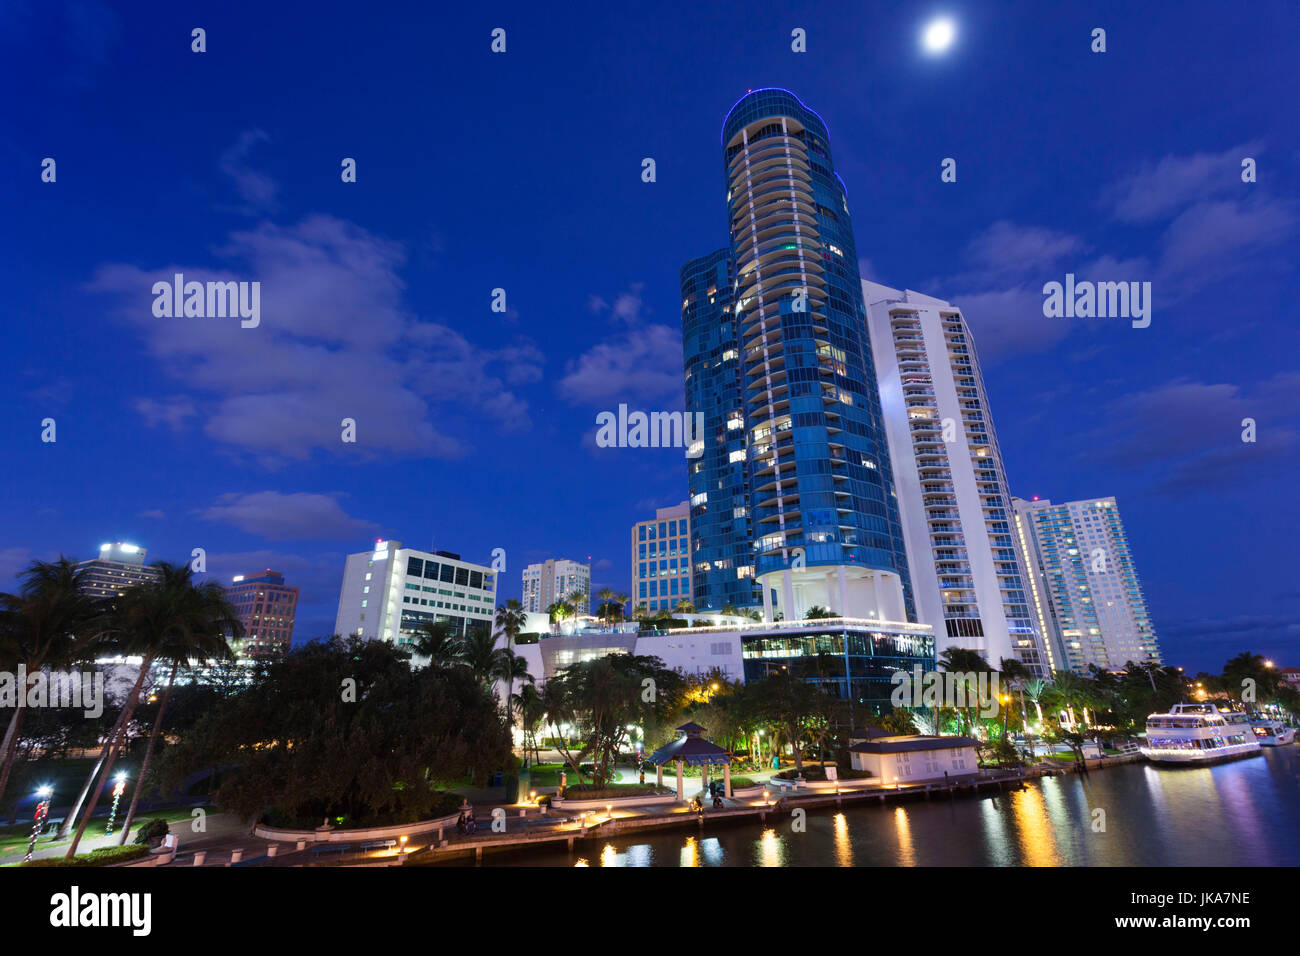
(1244, 813)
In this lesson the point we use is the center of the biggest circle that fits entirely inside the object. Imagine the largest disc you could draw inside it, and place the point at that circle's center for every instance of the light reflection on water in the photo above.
(1243, 813)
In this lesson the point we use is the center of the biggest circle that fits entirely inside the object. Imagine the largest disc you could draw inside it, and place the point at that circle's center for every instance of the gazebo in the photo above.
(691, 748)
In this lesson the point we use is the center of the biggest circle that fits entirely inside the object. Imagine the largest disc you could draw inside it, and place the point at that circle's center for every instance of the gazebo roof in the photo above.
(690, 749)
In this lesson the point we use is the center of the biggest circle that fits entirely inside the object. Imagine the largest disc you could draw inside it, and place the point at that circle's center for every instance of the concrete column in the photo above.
(767, 602)
(681, 790)
(659, 774)
(787, 595)
(726, 778)
(843, 609)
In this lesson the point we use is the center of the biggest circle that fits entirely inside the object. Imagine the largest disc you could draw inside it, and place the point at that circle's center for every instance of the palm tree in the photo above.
(145, 620)
(558, 611)
(684, 607)
(576, 599)
(1017, 674)
(1034, 690)
(531, 713)
(510, 620)
(478, 651)
(620, 604)
(1072, 690)
(49, 622)
(964, 661)
(606, 596)
(510, 667)
(439, 641)
(203, 632)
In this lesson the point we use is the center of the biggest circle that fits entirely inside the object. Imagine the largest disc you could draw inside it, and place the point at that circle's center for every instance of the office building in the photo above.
(266, 607)
(795, 462)
(1083, 584)
(661, 560)
(852, 660)
(948, 472)
(118, 567)
(389, 591)
(556, 579)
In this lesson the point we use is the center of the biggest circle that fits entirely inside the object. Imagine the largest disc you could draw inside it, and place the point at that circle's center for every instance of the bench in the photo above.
(378, 845)
(332, 848)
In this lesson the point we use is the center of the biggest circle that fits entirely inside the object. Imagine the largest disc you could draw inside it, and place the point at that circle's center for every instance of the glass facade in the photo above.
(777, 358)
(851, 663)
(721, 532)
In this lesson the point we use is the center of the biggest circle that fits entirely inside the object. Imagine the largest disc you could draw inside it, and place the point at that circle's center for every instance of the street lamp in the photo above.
(42, 811)
(118, 789)
(402, 848)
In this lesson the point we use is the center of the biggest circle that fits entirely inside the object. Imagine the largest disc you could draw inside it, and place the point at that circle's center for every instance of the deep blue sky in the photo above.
(522, 171)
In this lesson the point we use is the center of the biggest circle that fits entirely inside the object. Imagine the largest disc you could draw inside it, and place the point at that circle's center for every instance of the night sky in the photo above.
(522, 171)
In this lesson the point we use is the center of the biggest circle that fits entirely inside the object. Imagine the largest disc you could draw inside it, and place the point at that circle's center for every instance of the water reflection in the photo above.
(771, 849)
(843, 845)
(903, 833)
(690, 853)
(1036, 834)
(1243, 813)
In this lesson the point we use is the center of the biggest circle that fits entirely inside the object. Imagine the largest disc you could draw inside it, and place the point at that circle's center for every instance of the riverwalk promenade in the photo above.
(520, 828)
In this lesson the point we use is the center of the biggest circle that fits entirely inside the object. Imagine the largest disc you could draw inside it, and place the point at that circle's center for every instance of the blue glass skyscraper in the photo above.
(795, 477)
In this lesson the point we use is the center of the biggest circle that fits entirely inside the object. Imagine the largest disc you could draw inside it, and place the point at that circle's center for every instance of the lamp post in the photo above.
(118, 789)
(42, 811)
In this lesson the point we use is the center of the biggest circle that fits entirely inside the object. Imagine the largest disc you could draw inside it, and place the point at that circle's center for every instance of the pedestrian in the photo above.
(460, 823)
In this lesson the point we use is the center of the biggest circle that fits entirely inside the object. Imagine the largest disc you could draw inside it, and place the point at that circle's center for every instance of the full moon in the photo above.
(938, 35)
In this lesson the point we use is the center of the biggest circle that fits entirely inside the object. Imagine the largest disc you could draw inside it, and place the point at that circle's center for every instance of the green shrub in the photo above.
(104, 856)
(154, 830)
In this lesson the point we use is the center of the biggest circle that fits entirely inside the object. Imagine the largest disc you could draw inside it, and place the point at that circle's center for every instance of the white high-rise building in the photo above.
(555, 579)
(389, 590)
(967, 581)
(118, 567)
(1084, 586)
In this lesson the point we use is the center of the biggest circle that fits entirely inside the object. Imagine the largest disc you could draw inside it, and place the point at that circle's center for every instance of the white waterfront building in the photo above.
(1084, 584)
(953, 500)
(554, 580)
(388, 591)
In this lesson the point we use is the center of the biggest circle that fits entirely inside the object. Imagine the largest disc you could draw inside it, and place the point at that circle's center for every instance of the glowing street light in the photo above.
(938, 35)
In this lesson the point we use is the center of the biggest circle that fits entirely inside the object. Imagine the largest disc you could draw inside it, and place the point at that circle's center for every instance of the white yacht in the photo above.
(1272, 733)
(1199, 734)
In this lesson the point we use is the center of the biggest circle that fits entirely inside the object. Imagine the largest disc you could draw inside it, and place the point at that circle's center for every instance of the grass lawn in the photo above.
(13, 840)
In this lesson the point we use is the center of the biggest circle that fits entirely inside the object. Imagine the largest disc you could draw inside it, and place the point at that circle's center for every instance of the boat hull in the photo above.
(1281, 740)
(1201, 758)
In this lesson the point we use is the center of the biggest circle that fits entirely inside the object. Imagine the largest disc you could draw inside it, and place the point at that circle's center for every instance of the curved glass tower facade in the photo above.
(819, 499)
(721, 532)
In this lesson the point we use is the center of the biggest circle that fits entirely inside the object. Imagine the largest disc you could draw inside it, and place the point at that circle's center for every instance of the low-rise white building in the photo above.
(915, 759)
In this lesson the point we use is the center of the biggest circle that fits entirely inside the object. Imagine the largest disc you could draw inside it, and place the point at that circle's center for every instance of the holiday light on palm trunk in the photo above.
(118, 789)
(42, 811)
